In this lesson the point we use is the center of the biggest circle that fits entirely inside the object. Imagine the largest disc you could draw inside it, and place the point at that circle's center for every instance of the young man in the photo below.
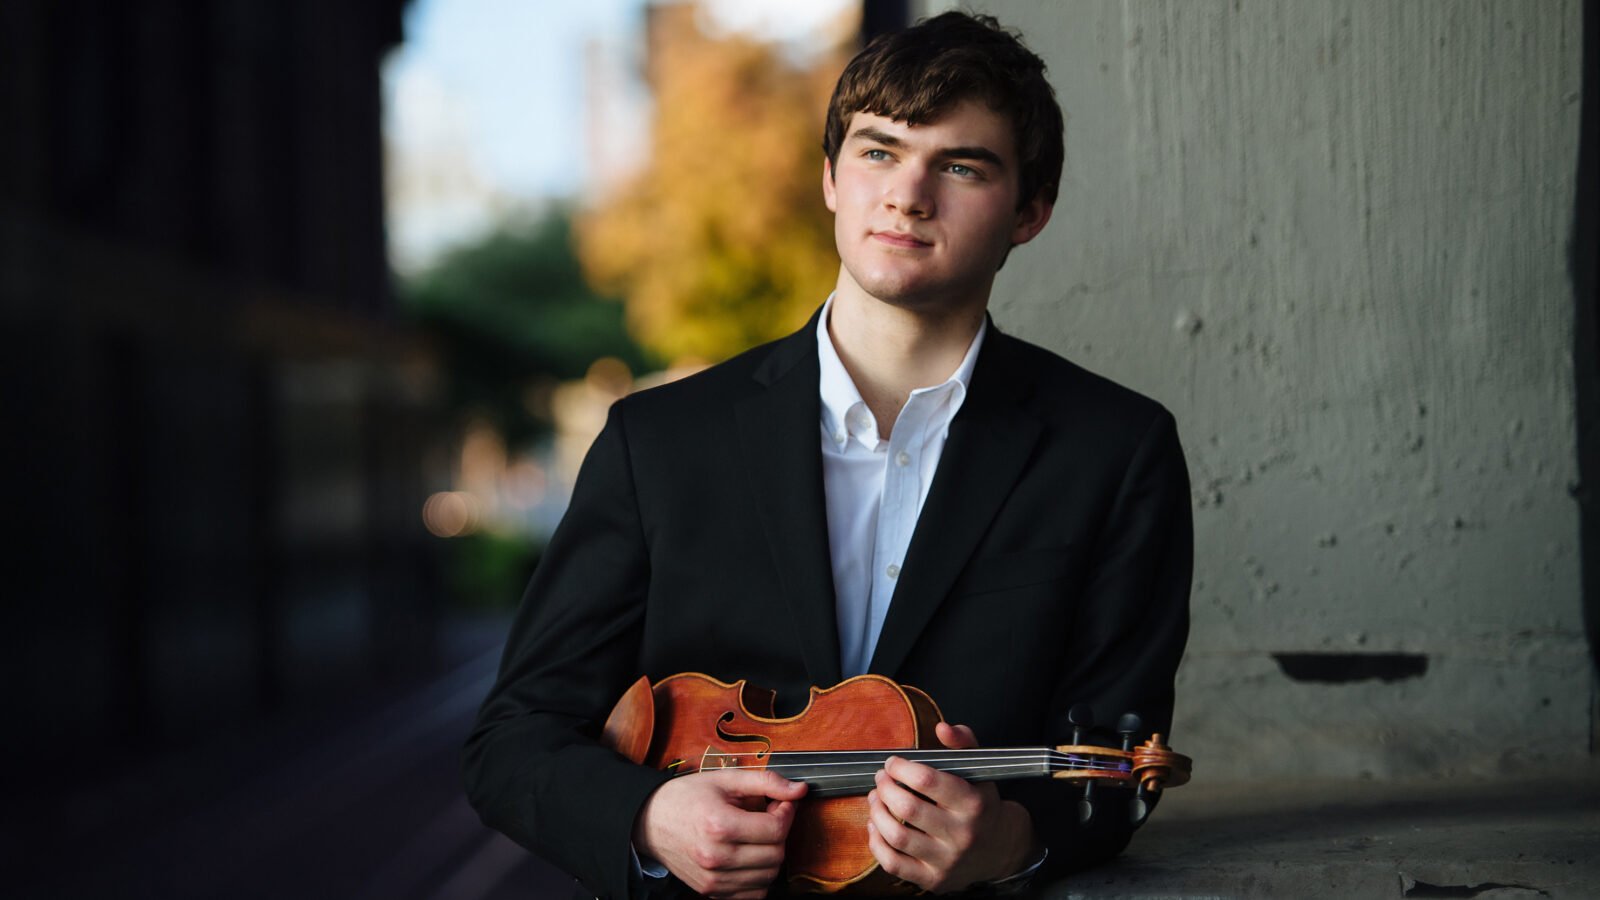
(897, 488)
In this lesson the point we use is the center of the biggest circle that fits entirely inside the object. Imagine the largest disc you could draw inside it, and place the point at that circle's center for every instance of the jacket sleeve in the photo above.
(1129, 631)
(532, 765)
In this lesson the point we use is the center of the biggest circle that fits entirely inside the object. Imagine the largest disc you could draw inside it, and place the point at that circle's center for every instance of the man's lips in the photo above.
(898, 239)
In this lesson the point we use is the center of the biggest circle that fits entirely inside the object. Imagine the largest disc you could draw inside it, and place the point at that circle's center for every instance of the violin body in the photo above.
(691, 722)
(684, 719)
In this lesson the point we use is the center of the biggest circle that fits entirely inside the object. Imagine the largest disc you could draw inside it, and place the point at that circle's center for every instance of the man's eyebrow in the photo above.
(879, 136)
(981, 154)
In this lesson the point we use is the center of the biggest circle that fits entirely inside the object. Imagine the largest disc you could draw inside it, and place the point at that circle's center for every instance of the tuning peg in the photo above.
(1139, 807)
(1082, 718)
(1086, 803)
(1129, 727)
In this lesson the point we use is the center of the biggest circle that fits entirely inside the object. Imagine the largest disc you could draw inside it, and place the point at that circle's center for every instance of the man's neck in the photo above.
(890, 351)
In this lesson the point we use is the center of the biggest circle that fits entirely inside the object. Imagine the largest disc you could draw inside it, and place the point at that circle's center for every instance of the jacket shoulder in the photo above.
(1067, 393)
(706, 392)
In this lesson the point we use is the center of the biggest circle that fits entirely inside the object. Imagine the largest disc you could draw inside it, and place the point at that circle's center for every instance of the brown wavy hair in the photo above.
(915, 75)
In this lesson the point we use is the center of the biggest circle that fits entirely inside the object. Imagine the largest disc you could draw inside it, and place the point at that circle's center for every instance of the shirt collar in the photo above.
(839, 394)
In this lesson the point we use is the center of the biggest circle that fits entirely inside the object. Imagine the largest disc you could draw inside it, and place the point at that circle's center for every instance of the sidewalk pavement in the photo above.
(1511, 837)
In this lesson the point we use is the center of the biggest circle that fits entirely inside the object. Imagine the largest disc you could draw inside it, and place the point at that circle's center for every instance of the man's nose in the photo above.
(910, 192)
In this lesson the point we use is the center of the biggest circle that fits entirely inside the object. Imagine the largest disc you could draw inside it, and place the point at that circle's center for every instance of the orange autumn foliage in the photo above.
(722, 241)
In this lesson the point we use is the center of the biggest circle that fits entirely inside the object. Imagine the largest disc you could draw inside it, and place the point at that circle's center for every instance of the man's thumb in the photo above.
(766, 783)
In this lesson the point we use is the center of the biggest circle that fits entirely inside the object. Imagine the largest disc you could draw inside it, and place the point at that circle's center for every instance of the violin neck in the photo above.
(843, 773)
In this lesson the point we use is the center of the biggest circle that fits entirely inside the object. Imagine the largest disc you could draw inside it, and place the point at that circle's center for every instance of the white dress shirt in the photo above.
(875, 488)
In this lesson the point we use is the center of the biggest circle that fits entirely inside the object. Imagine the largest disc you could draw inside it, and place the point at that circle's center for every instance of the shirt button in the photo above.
(839, 438)
(902, 458)
(893, 571)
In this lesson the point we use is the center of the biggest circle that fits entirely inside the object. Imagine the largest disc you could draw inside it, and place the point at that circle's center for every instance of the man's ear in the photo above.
(1031, 220)
(828, 195)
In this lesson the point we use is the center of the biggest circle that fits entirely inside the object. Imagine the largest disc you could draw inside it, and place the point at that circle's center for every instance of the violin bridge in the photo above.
(717, 759)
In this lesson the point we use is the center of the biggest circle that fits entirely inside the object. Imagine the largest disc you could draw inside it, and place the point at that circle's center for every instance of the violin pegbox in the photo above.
(1146, 768)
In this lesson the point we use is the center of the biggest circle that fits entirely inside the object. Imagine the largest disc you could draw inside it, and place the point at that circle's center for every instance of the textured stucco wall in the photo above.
(1331, 236)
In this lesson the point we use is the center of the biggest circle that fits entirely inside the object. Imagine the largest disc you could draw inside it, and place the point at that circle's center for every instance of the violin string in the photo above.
(965, 764)
(868, 772)
(912, 753)
(923, 755)
(877, 757)
(880, 756)
(968, 768)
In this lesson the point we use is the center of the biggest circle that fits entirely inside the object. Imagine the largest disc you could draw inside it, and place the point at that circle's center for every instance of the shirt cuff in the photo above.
(1014, 884)
(649, 869)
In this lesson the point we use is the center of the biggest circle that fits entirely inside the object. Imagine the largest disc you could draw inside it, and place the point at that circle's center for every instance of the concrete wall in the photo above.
(1331, 237)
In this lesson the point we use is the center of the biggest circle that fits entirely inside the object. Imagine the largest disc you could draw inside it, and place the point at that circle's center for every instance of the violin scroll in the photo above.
(1156, 766)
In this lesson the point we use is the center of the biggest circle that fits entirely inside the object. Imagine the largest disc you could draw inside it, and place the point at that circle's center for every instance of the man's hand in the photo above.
(721, 833)
(940, 831)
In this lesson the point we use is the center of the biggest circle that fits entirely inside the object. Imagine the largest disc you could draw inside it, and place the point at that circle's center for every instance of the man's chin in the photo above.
(899, 287)
(904, 296)
(918, 295)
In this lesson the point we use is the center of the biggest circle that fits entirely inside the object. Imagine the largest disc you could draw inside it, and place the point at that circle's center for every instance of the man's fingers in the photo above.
(732, 858)
(723, 836)
(926, 783)
(892, 860)
(783, 810)
(757, 783)
(899, 831)
(906, 806)
(956, 737)
(723, 868)
(732, 825)
(735, 884)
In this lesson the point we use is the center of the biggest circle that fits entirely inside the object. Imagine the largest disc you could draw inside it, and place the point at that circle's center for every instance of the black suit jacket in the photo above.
(1050, 566)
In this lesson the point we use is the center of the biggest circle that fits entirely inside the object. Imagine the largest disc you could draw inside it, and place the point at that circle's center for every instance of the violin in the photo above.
(691, 722)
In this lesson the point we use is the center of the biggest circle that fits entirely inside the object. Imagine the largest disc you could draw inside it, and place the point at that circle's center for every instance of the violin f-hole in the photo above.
(763, 740)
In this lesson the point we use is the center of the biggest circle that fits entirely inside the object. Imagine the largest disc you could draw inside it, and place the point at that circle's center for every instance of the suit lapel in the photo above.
(779, 429)
(991, 439)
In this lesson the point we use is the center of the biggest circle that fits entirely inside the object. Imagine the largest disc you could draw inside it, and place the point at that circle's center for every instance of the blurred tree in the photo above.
(513, 315)
(722, 241)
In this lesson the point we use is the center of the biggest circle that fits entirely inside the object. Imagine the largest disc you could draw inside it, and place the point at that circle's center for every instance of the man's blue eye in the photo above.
(877, 154)
(964, 171)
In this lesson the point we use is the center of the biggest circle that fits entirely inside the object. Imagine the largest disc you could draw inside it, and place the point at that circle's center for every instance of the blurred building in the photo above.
(218, 428)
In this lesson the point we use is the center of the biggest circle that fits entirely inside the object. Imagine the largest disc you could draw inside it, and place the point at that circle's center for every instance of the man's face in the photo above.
(924, 214)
